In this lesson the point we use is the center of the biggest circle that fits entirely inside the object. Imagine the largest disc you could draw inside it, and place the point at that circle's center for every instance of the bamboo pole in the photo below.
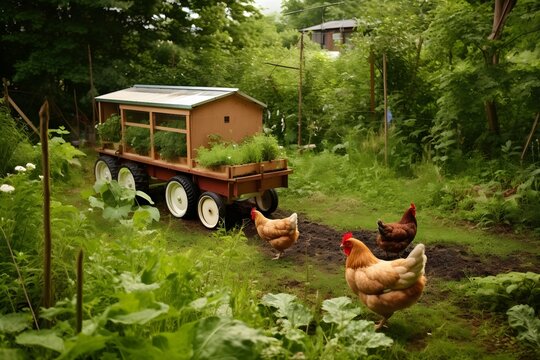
(385, 113)
(44, 127)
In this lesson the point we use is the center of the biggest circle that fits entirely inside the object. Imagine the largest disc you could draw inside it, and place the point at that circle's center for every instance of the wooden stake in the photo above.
(25, 118)
(372, 83)
(300, 89)
(531, 134)
(77, 115)
(79, 291)
(92, 132)
(44, 127)
(385, 113)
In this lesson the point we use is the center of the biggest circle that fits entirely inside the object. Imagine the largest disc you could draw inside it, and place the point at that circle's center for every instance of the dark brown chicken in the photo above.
(395, 237)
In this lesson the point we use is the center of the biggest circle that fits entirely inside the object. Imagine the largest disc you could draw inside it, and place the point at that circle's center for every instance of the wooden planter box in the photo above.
(232, 171)
(112, 145)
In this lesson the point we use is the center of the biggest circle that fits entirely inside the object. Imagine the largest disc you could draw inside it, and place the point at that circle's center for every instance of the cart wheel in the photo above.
(133, 176)
(267, 202)
(211, 209)
(106, 168)
(181, 196)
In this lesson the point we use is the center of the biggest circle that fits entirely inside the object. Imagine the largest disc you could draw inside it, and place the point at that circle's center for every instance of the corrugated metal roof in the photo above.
(179, 97)
(337, 24)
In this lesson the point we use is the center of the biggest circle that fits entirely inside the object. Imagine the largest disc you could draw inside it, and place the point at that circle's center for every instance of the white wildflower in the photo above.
(30, 166)
(90, 209)
(6, 188)
(40, 177)
(20, 168)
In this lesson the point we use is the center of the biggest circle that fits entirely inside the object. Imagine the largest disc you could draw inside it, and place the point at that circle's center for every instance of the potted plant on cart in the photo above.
(253, 151)
(138, 139)
(110, 132)
(170, 145)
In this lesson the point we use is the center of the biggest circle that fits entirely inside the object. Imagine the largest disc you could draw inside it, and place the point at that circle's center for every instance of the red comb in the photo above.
(412, 206)
(347, 236)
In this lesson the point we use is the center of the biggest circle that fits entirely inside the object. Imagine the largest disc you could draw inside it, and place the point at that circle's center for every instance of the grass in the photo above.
(440, 326)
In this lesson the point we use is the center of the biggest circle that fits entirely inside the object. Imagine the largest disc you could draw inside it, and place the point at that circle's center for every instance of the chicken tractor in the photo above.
(151, 133)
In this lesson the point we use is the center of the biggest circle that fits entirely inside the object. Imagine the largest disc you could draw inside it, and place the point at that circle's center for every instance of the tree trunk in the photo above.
(491, 55)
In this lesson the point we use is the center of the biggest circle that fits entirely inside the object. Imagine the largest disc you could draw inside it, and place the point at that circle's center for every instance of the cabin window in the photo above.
(226, 119)
(173, 121)
(135, 116)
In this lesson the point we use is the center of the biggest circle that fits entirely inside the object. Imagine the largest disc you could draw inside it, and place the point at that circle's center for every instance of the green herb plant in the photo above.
(254, 149)
(110, 129)
(170, 145)
(138, 138)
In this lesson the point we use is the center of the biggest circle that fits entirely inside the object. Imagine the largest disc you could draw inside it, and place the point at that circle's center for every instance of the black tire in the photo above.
(140, 179)
(267, 202)
(211, 210)
(106, 168)
(181, 196)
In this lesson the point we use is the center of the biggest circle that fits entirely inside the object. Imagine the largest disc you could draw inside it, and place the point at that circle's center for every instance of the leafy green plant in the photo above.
(257, 148)
(522, 319)
(138, 138)
(117, 203)
(499, 293)
(62, 154)
(20, 235)
(344, 337)
(170, 145)
(110, 129)
(15, 147)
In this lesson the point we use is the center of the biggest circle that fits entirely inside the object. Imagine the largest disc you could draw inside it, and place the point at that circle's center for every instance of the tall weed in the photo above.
(15, 147)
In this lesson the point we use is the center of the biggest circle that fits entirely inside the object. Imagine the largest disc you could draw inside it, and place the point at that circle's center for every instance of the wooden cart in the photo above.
(191, 114)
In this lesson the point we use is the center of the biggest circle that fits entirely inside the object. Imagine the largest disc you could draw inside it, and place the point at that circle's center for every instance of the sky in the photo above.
(269, 6)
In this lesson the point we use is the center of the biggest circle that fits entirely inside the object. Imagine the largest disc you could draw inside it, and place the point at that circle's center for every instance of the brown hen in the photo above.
(395, 237)
(384, 286)
(279, 233)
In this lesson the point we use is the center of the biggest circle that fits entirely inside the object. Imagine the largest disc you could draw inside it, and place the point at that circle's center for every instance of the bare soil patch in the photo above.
(321, 244)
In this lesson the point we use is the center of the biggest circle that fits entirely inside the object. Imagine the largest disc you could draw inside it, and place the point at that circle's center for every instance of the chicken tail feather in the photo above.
(381, 227)
(293, 221)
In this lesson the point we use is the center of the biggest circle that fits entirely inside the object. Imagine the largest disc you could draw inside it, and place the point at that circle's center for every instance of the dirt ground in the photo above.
(321, 244)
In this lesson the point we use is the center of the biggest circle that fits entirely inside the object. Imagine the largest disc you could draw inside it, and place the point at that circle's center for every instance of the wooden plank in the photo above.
(19, 111)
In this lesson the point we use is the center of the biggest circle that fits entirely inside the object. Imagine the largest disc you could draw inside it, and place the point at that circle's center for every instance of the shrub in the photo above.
(499, 293)
(110, 129)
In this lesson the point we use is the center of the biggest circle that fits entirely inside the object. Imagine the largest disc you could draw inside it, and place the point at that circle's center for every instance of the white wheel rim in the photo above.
(102, 171)
(177, 199)
(126, 179)
(208, 212)
(264, 201)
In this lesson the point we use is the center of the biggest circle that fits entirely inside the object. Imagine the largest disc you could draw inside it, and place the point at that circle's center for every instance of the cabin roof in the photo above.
(336, 24)
(179, 97)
